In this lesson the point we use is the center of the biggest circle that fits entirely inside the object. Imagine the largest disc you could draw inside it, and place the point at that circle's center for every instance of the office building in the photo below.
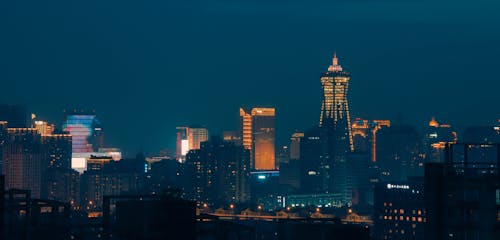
(295, 145)
(87, 137)
(106, 177)
(56, 177)
(258, 136)
(189, 138)
(399, 211)
(218, 172)
(265, 189)
(23, 158)
(364, 134)
(462, 195)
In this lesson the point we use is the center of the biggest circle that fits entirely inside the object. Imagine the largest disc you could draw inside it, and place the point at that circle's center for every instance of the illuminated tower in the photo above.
(335, 107)
(335, 122)
(258, 136)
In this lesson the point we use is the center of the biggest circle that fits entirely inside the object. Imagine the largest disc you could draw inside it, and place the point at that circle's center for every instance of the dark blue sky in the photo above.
(147, 66)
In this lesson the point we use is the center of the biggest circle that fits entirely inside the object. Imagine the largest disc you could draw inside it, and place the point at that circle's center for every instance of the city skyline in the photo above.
(407, 60)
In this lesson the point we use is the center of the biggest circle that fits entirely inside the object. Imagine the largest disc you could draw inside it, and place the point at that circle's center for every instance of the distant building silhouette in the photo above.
(399, 153)
(436, 137)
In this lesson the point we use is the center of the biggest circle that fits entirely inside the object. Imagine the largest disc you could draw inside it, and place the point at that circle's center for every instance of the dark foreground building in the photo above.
(462, 195)
(153, 219)
(399, 209)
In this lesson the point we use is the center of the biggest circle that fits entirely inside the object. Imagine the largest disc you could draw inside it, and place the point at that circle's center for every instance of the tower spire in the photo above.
(335, 67)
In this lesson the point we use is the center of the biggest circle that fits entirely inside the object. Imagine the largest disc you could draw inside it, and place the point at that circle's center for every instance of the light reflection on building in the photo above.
(189, 138)
(258, 136)
(364, 134)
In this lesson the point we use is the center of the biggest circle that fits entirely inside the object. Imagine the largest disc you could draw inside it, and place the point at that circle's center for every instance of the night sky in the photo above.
(148, 66)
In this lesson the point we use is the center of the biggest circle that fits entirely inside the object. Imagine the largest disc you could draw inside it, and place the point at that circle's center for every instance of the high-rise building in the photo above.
(364, 134)
(219, 172)
(189, 138)
(399, 153)
(105, 177)
(57, 172)
(258, 136)
(335, 107)
(3, 137)
(336, 120)
(290, 170)
(462, 195)
(315, 161)
(23, 160)
(43, 128)
(87, 137)
(295, 145)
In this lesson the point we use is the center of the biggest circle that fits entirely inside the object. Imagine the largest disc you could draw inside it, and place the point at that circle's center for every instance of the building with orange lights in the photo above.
(335, 120)
(399, 211)
(189, 138)
(436, 137)
(258, 136)
(364, 134)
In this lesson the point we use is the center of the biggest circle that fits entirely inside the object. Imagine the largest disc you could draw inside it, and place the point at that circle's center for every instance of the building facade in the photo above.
(87, 137)
(189, 138)
(462, 195)
(399, 211)
(258, 136)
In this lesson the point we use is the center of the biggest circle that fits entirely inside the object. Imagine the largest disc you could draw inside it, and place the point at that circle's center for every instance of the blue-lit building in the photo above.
(87, 137)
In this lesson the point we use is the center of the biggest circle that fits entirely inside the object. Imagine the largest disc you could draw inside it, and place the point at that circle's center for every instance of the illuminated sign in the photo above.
(78, 163)
(397, 186)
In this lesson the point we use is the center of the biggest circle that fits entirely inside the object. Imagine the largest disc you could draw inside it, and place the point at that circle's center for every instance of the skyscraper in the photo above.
(86, 132)
(258, 130)
(335, 107)
(23, 160)
(218, 172)
(189, 138)
(335, 120)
